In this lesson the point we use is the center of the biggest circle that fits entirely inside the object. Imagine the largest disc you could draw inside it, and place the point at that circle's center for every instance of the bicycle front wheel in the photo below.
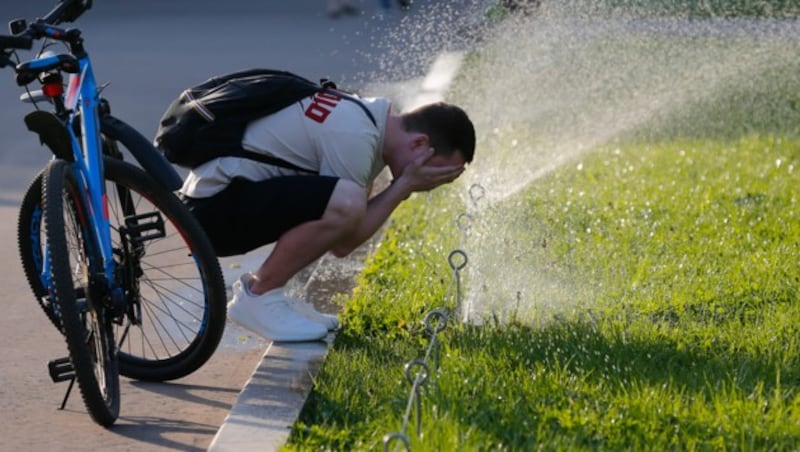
(76, 271)
(31, 242)
(175, 280)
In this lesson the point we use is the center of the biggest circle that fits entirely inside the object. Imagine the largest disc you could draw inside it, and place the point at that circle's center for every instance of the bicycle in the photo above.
(113, 257)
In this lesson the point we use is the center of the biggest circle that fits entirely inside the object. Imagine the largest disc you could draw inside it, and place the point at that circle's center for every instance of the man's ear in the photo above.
(420, 141)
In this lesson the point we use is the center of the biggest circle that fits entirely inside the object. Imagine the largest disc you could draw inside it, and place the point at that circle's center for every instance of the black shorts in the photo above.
(248, 214)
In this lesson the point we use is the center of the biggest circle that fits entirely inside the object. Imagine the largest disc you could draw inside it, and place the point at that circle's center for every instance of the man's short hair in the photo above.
(447, 126)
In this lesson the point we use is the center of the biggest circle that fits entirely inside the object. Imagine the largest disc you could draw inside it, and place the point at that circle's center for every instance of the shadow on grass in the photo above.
(579, 383)
(585, 383)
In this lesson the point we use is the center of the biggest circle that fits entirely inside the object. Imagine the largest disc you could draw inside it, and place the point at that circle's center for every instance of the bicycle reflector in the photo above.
(52, 85)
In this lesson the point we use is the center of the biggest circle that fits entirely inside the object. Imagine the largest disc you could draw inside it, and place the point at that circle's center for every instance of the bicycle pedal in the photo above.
(61, 370)
(144, 227)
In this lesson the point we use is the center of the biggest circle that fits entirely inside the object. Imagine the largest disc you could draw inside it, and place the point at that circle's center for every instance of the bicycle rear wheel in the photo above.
(177, 282)
(76, 272)
(174, 278)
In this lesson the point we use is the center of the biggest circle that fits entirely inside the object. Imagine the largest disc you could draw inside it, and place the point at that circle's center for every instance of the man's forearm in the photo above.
(379, 208)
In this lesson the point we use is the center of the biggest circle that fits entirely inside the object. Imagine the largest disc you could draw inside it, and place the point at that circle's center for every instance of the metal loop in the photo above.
(453, 264)
(463, 221)
(440, 315)
(476, 192)
(423, 376)
(389, 438)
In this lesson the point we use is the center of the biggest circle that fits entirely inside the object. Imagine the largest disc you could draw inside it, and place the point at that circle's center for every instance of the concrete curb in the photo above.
(270, 402)
(262, 417)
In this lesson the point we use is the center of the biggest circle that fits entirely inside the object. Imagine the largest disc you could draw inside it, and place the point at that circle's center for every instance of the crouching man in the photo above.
(244, 204)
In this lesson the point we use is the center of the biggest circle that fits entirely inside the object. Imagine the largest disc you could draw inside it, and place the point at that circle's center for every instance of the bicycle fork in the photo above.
(138, 230)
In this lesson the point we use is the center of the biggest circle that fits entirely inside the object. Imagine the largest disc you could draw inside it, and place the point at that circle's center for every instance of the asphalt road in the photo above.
(149, 50)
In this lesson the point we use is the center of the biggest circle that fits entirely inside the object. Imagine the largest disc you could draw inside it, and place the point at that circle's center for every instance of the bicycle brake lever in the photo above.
(5, 60)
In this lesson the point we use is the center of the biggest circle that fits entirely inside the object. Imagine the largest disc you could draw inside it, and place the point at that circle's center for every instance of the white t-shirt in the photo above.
(323, 133)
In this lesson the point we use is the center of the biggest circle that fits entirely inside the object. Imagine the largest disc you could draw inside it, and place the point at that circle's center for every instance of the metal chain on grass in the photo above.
(458, 260)
(466, 223)
(417, 373)
(465, 220)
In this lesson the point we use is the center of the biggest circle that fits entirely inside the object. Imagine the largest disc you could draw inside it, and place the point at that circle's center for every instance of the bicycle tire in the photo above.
(158, 365)
(30, 242)
(73, 263)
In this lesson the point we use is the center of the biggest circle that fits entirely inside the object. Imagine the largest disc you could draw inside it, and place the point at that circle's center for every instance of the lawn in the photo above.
(637, 290)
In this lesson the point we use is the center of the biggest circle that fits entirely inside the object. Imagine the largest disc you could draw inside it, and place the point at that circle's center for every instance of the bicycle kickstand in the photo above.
(61, 370)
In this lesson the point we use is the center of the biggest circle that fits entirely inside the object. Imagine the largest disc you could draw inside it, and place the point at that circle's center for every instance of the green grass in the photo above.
(689, 8)
(710, 8)
(695, 9)
(691, 339)
(673, 324)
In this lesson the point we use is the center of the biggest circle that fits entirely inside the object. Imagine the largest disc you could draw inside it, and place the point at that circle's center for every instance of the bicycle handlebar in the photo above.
(12, 42)
(64, 11)
(16, 42)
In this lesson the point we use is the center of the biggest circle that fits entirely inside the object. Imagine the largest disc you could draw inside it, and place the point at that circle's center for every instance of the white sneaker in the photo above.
(271, 315)
(329, 321)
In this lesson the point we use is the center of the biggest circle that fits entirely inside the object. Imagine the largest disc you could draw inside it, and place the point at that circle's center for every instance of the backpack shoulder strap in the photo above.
(358, 102)
(268, 159)
(327, 84)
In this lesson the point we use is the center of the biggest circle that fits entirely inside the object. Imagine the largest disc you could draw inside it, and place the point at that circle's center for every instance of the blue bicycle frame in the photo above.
(82, 101)
(90, 167)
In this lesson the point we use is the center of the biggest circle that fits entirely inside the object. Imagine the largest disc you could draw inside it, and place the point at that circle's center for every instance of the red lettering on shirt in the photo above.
(321, 106)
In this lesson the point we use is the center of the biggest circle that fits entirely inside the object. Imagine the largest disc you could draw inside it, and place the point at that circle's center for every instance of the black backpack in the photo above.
(208, 120)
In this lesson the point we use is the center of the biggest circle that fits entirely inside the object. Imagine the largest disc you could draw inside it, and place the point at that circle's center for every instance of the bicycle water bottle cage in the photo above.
(30, 70)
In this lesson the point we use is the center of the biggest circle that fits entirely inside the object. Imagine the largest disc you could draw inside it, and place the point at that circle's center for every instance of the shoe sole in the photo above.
(255, 331)
(331, 324)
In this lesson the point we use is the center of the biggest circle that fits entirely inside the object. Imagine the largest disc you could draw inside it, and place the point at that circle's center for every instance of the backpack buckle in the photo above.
(327, 84)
